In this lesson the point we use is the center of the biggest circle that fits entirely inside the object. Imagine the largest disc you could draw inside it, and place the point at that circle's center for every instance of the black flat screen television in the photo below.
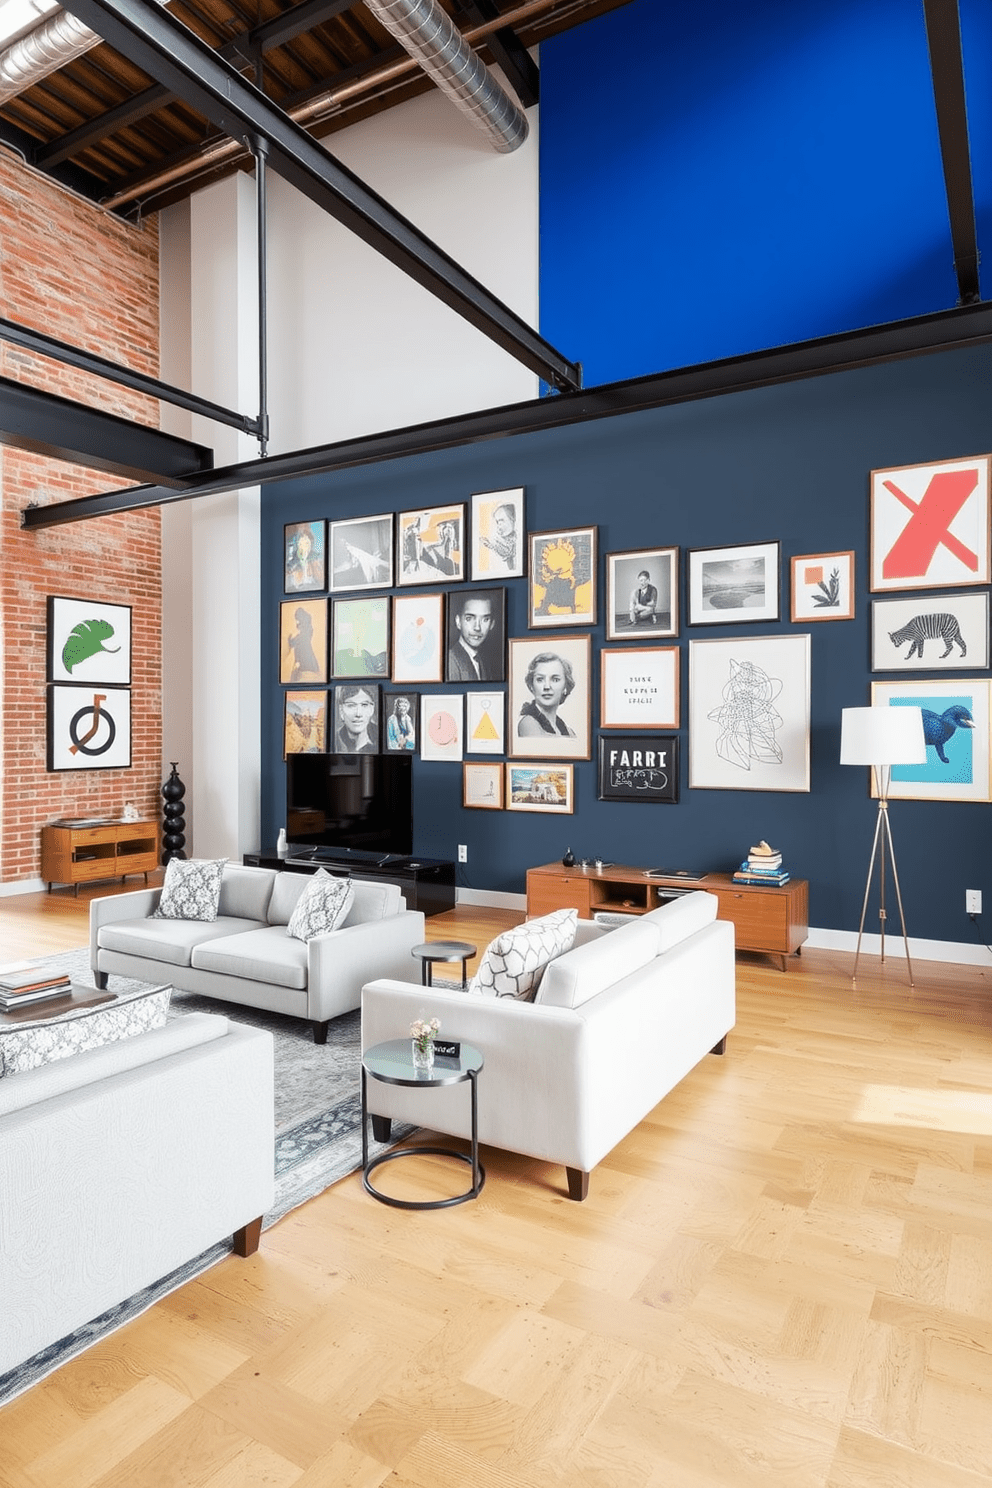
(349, 805)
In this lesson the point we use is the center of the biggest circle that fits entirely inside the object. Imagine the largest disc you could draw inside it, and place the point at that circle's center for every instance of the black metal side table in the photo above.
(442, 950)
(392, 1063)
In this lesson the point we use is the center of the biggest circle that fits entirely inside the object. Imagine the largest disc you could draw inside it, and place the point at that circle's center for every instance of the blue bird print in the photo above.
(938, 727)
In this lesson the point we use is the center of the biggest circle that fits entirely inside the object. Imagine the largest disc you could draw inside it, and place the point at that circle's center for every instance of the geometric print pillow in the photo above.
(322, 907)
(191, 890)
(33, 1044)
(512, 965)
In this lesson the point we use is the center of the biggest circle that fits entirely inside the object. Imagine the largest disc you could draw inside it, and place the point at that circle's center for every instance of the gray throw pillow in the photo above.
(322, 907)
(191, 890)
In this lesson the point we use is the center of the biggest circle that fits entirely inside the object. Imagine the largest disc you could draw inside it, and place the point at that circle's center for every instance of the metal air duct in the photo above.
(430, 36)
(58, 40)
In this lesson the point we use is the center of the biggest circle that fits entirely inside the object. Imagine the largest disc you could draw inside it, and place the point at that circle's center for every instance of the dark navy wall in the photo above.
(718, 177)
(790, 463)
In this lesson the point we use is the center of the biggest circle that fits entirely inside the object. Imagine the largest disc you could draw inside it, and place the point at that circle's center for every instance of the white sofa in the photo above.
(245, 955)
(119, 1164)
(616, 1023)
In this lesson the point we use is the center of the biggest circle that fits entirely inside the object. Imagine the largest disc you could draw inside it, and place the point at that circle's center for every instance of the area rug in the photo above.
(318, 1140)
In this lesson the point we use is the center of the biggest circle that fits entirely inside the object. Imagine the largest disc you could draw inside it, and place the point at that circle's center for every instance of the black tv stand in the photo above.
(428, 884)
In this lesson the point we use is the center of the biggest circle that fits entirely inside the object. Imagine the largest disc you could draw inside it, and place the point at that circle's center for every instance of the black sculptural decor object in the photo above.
(174, 836)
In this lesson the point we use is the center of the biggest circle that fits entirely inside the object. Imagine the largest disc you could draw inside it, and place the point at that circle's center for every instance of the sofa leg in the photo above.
(381, 1127)
(246, 1239)
(578, 1184)
(320, 1032)
(101, 978)
(721, 1047)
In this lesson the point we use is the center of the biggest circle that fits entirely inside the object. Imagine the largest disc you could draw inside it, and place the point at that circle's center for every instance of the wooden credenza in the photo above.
(112, 849)
(769, 919)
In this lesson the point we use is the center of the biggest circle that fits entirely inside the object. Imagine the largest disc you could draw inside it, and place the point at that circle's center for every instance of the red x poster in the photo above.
(930, 525)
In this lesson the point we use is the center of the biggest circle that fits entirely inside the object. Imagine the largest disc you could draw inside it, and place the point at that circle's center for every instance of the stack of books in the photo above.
(22, 983)
(763, 865)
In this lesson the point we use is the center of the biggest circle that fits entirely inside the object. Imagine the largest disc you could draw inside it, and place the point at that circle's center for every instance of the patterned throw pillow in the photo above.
(34, 1044)
(512, 965)
(191, 890)
(322, 906)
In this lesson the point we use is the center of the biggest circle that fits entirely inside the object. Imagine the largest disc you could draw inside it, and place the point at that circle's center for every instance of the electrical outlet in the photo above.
(463, 856)
(973, 901)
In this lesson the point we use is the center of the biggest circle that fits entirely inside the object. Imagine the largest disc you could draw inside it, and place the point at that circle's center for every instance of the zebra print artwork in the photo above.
(949, 632)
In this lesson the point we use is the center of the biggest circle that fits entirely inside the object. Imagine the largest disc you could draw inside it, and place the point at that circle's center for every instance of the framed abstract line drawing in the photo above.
(360, 636)
(305, 723)
(942, 633)
(303, 641)
(728, 586)
(823, 587)
(402, 721)
(562, 578)
(498, 546)
(89, 728)
(536, 787)
(482, 787)
(640, 688)
(361, 551)
(305, 562)
(749, 713)
(431, 545)
(485, 730)
(639, 767)
(956, 731)
(930, 525)
(418, 638)
(442, 724)
(89, 641)
(642, 594)
(550, 705)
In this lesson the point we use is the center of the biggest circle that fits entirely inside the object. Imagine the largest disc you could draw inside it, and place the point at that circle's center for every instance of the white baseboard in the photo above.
(492, 898)
(24, 886)
(959, 953)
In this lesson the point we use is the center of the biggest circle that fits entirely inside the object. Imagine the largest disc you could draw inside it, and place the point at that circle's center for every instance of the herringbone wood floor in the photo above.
(783, 1276)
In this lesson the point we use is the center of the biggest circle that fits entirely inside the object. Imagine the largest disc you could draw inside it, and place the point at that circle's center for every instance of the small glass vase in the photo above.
(423, 1058)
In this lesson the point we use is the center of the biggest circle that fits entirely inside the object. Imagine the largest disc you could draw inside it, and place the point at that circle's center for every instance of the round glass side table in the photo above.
(442, 950)
(392, 1064)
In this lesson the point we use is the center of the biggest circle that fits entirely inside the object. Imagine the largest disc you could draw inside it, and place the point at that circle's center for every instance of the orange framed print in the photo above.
(930, 525)
(823, 587)
(303, 641)
(563, 578)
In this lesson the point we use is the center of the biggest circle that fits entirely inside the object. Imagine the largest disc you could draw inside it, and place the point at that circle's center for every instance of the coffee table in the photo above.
(392, 1064)
(442, 950)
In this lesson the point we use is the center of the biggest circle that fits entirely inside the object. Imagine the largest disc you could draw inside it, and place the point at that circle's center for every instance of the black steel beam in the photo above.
(166, 50)
(131, 111)
(72, 176)
(945, 331)
(86, 361)
(947, 70)
(510, 53)
(43, 424)
(295, 21)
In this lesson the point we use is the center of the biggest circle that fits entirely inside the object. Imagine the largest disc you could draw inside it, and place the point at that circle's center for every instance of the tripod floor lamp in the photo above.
(881, 738)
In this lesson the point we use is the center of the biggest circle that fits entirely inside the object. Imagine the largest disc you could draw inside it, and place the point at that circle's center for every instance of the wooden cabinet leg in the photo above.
(721, 1047)
(246, 1239)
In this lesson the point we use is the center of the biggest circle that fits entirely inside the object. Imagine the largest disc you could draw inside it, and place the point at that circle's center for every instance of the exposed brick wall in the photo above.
(89, 279)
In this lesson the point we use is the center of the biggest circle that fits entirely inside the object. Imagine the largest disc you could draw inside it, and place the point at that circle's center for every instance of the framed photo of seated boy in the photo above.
(642, 594)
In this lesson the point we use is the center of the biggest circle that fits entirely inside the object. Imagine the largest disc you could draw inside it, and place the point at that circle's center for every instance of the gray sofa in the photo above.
(245, 955)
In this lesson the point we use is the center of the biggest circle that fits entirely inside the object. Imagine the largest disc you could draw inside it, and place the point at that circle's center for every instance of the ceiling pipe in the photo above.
(430, 36)
(57, 41)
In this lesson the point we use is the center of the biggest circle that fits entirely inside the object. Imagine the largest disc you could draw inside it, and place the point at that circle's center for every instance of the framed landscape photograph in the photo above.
(431, 545)
(305, 563)
(749, 713)
(550, 702)
(943, 633)
(823, 587)
(89, 728)
(537, 787)
(639, 767)
(956, 730)
(639, 688)
(303, 641)
(418, 638)
(476, 636)
(357, 718)
(361, 553)
(360, 636)
(442, 724)
(402, 713)
(732, 585)
(563, 578)
(305, 723)
(642, 594)
(930, 525)
(485, 728)
(482, 787)
(498, 547)
(89, 641)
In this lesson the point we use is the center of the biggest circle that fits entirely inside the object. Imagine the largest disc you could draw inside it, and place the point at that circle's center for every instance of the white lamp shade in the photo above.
(882, 736)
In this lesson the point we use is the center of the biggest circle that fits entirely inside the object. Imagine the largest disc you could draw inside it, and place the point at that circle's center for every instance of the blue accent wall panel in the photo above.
(789, 463)
(717, 178)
